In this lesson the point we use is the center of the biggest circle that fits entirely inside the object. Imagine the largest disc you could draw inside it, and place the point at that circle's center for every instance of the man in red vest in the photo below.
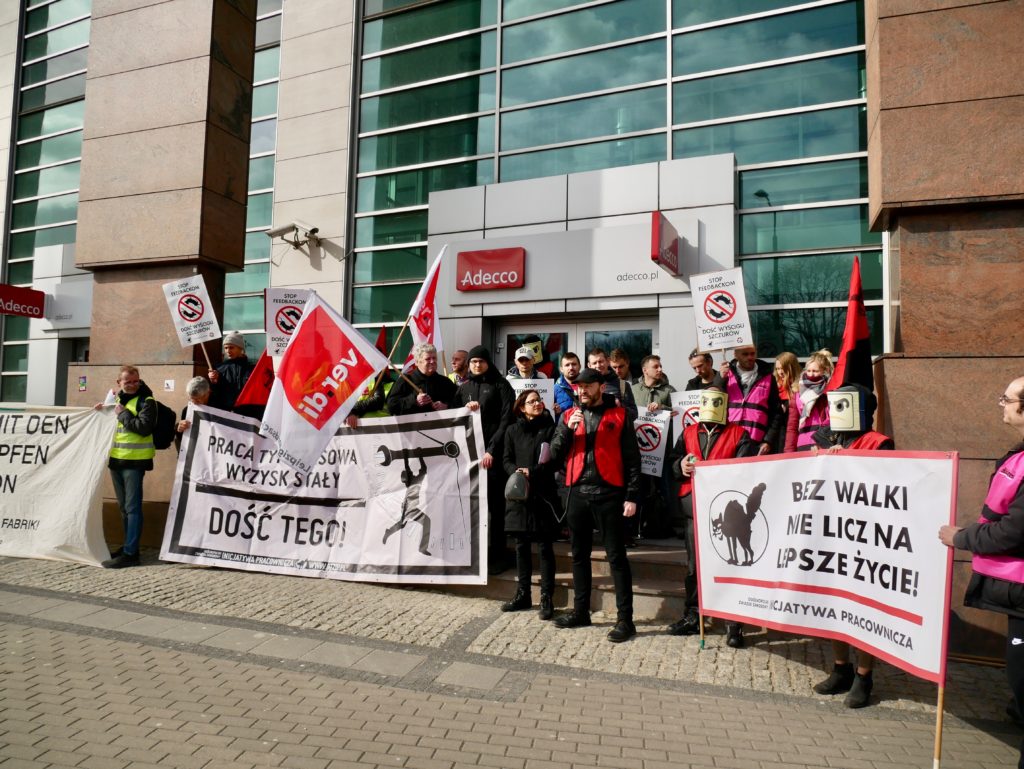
(597, 442)
(851, 411)
(713, 436)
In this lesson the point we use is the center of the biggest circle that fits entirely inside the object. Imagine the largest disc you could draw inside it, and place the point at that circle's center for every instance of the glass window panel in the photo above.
(616, 113)
(52, 93)
(520, 9)
(432, 102)
(257, 246)
(581, 29)
(400, 264)
(424, 23)
(411, 188)
(686, 13)
(264, 100)
(268, 31)
(257, 213)
(57, 40)
(451, 57)
(24, 244)
(267, 64)
(52, 150)
(55, 67)
(35, 213)
(376, 7)
(610, 68)
(50, 121)
(19, 273)
(55, 13)
(391, 229)
(267, 6)
(811, 278)
(586, 157)
(243, 312)
(804, 331)
(13, 389)
(15, 357)
(807, 229)
(15, 328)
(809, 134)
(636, 343)
(841, 180)
(762, 90)
(776, 37)
(424, 145)
(255, 277)
(263, 136)
(261, 173)
(382, 304)
(47, 181)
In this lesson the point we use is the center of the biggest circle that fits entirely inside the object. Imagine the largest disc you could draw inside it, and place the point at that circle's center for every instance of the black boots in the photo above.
(839, 680)
(520, 601)
(573, 619)
(688, 625)
(547, 607)
(624, 630)
(860, 691)
(734, 636)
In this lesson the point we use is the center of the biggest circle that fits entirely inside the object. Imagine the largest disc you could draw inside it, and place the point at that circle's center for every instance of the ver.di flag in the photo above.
(326, 366)
(423, 323)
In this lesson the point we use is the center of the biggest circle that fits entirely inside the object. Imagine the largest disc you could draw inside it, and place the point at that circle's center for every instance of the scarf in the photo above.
(809, 394)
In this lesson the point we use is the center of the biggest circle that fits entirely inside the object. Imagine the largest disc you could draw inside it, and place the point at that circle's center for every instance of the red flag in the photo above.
(854, 363)
(382, 340)
(257, 387)
(423, 323)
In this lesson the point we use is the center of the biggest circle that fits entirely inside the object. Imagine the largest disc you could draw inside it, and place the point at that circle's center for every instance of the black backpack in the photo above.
(166, 426)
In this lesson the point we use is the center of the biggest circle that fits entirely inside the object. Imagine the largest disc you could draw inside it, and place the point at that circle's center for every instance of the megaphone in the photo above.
(448, 449)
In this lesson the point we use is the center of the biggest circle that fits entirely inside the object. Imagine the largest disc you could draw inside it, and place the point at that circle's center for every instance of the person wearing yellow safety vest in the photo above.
(131, 455)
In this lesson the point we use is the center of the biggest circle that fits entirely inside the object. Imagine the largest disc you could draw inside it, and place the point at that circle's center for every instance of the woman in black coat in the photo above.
(533, 519)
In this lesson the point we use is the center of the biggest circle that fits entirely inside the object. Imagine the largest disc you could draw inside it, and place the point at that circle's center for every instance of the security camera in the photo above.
(308, 229)
(278, 232)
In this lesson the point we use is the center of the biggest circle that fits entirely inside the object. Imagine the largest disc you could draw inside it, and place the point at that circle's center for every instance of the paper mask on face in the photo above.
(846, 411)
(537, 348)
(714, 407)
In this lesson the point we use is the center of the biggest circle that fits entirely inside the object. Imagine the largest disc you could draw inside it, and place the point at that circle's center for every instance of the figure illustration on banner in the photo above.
(411, 504)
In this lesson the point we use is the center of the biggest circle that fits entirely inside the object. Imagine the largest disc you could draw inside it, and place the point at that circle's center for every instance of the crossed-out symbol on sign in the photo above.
(691, 416)
(719, 306)
(287, 319)
(648, 437)
(191, 308)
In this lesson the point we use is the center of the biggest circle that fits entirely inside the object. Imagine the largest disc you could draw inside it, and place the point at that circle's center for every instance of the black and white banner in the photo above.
(843, 546)
(399, 499)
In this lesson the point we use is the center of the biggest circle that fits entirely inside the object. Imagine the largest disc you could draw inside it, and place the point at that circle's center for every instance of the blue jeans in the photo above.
(128, 490)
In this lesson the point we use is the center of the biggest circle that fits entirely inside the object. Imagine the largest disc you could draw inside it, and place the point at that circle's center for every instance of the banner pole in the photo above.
(444, 363)
(411, 383)
(380, 375)
(700, 623)
(937, 757)
(202, 346)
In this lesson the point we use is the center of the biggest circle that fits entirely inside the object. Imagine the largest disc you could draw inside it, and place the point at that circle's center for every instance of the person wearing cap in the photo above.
(526, 365)
(487, 392)
(596, 444)
(229, 378)
(851, 410)
(712, 436)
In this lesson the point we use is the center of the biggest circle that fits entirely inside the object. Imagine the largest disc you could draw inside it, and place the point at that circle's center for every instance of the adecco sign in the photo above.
(26, 302)
(490, 270)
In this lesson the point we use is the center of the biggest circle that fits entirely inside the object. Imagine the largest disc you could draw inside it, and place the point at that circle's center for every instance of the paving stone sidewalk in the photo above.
(344, 636)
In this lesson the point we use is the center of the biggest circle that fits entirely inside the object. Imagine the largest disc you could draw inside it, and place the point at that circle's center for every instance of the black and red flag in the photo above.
(854, 363)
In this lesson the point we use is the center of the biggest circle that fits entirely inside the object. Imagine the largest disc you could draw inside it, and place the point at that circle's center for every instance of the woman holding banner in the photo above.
(997, 542)
(532, 519)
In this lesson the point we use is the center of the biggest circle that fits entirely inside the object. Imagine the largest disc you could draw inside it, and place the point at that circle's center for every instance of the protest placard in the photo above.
(686, 404)
(545, 389)
(51, 462)
(652, 437)
(191, 311)
(282, 310)
(400, 499)
(842, 546)
(720, 310)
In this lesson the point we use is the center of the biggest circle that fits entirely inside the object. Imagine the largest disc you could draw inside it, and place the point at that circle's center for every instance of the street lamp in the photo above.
(763, 194)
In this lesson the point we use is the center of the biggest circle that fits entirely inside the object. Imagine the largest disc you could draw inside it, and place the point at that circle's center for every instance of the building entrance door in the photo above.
(551, 338)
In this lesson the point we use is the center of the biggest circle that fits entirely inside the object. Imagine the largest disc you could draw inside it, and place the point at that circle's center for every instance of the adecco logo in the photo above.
(490, 270)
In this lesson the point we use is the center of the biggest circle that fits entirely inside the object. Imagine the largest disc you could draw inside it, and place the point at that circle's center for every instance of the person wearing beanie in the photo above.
(487, 392)
(229, 378)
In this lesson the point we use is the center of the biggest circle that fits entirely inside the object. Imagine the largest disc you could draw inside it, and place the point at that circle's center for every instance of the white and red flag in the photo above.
(325, 367)
(423, 323)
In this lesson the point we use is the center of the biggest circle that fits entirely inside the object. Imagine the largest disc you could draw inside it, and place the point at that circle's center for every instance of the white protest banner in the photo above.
(842, 546)
(191, 311)
(399, 499)
(720, 310)
(652, 437)
(545, 389)
(324, 371)
(282, 310)
(686, 404)
(51, 462)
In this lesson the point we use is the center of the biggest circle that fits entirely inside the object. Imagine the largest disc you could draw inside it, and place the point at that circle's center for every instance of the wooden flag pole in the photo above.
(380, 375)
(412, 384)
(202, 346)
(939, 706)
